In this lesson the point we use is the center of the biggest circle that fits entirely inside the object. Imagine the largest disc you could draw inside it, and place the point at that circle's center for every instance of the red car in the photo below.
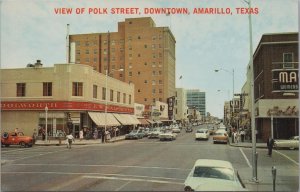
(13, 138)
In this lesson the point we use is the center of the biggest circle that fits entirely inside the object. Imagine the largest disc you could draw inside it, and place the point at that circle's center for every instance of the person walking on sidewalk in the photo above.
(270, 144)
(242, 135)
(70, 139)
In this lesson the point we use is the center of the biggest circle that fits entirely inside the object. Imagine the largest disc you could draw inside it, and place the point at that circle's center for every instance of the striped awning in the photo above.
(123, 119)
(143, 121)
(150, 121)
(99, 119)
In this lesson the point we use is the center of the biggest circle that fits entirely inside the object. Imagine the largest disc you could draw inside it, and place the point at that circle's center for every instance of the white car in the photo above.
(169, 135)
(175, 129)
(202, 134)
(292, 143)
(213, 175)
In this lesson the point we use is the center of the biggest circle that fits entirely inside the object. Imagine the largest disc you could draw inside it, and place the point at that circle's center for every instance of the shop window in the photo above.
(103, 93)
(129, 99)
(124, 97)
(111, 95)
(95, 91)
(118, 96)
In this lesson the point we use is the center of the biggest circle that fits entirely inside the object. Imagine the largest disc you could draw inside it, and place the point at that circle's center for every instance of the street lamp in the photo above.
(106, 75)
(46, 116)
(232, 73)
(253, 129)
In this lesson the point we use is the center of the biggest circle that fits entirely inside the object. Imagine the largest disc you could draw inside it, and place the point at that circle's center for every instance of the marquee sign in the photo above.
(285, 80)
(170, 101)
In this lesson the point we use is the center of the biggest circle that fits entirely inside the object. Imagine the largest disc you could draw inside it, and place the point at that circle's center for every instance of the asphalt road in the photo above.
(134, 165)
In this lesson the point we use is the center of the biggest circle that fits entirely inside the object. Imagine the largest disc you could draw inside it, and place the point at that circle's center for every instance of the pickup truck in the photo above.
(13, 138)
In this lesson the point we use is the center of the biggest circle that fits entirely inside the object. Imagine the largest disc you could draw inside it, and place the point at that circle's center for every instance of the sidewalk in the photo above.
(247, 144)
(78, 142)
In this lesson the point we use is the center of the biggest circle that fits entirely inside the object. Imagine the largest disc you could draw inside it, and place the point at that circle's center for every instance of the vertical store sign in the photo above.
(170, 102)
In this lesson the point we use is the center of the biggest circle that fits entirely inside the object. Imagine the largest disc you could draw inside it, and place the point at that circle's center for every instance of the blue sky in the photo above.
(30, 30)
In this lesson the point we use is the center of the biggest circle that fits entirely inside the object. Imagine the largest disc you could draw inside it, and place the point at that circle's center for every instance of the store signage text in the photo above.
(285, 80)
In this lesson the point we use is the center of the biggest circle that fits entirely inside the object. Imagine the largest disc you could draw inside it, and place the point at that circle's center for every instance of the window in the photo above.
(145, 81)
(111, 95)
(47, 89)
(153, 82)
(139, 90)
(153, 100)
(153, 46)
(160, 82)
(87, 51)
(103, 93)
(95, 91)
(160, 90)
(78, 52)
(124, 97)
(287, 60)
(145, 46)
(130, 73)
(21, 88)
(153, 73)
(77, 89)
(118, 96)
(145, 99)
(153, 91)
(87, 43)
(160, 72)
(139, 37)
(129, 99)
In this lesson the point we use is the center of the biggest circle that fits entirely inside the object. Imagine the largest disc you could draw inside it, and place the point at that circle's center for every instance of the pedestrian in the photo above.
(16, 131)
(103, 135)
(34, 136)
(234, 136)
(242, 135)
(81, 135)
(43, 134)
(270, 144)
(69, 141)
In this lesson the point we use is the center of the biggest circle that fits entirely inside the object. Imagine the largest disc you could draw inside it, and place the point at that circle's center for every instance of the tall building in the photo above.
(196, 100)
(146, 54)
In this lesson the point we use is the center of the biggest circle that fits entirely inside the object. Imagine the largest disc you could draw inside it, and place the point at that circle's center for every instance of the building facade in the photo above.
(180, 108)
(196, 100)
(146, 54)
(69, 97)
(276, 86)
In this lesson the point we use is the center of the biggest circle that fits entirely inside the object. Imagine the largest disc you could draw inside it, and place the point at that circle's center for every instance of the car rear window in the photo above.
(214, 172)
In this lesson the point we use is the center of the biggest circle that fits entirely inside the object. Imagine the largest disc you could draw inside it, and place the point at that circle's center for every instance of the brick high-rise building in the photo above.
(146, 54)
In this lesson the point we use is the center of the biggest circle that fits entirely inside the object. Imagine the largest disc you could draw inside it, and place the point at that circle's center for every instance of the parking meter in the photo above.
(274, 176)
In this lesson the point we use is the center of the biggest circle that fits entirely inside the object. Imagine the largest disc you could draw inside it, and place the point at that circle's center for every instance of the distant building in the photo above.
(196, 100)
(144, 51)
(181, 109)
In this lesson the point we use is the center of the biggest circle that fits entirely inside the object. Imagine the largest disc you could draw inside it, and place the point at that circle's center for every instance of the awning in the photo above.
(124, 120)
(158, 121)
(135, 120)
(143, 121)
(150, 121)
(99, 119)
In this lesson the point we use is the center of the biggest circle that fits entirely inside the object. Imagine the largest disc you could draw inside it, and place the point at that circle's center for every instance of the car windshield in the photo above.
(200, 131)
(219, 133)
(214, 172)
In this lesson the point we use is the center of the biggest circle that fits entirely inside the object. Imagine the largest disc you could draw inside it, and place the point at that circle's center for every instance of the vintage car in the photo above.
(14, 138)
(213, 175)
(168, 135)
(291, 143)
(202, 134)
(175, 128)
(220, 136)
(188, 129)
(154, 133)
(135, 134)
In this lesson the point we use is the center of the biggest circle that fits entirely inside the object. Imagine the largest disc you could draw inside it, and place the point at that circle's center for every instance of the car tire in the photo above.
(22, 144)
(5, 135)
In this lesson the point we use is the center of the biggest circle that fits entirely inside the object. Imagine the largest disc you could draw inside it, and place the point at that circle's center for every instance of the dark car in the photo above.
(188, 129)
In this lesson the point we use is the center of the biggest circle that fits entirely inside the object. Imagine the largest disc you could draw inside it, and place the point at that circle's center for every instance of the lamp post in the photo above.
(253, 130)
(232, 73)
(46, 117)
(105, 112)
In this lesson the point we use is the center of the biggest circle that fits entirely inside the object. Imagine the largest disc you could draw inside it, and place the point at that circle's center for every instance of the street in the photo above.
(135, 165)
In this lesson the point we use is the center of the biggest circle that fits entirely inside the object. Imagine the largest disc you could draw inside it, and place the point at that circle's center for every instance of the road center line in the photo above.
(287, 157)
(247, 160)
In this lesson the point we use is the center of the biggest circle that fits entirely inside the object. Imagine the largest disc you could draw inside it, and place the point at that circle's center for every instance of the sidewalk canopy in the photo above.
(99, 119)
(143, 121)
(150, 121)
(124, 119)
(134, 119)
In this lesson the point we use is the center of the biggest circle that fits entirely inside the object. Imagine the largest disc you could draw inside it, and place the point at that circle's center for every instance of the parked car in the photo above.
(291, 143)
(213, 175)
(154, 133)
(175, 128)
(168, 135)
(220, 136)
(135, 134)
(14, 138)
(202, 134)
